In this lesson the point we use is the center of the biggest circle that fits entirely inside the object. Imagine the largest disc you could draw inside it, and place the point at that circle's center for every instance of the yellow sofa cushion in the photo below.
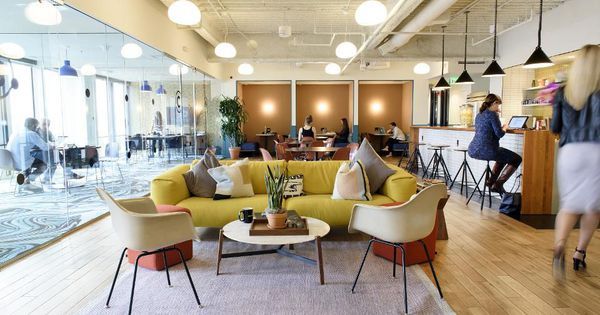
(319, 176)
(335, 212)
(400, 186)
(257, 173)
(216, 213)
(169, 188)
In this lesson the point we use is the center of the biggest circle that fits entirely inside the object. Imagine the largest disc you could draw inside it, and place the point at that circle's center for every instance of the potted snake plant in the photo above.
(275, 183)
(233, 116)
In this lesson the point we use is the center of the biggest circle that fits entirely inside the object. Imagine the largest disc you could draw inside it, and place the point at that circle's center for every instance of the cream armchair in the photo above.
(396, 225)
(140, 227)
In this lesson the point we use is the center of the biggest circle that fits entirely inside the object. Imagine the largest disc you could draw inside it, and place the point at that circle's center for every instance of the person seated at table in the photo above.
(486, 143)
(31, 153)
(46, 134)
(342, 136)
(396, 136)
(157, 129)
(307, 130)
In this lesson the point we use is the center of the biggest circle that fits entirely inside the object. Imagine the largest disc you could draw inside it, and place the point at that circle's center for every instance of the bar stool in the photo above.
(487, 174)
(436, 161)
(415, 157)
(466, 170)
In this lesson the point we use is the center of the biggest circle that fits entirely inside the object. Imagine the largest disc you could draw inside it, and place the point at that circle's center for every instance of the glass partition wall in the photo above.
(93, 107)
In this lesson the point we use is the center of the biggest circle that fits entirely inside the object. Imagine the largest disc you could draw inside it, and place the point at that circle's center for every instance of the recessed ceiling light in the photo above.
(131, 51)
(246, 69)
(421, 68)
(43, 13)
(345, 50)
(333, 69)
(184, 12)
(12, 51)
(225, 50)
(370, 13)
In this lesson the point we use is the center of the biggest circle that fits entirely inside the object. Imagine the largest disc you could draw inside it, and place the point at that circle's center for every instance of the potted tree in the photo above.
(233, 115)
(275, 183)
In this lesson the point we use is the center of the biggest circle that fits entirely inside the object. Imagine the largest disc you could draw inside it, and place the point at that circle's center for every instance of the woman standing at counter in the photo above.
(486, 144)
(576, 117)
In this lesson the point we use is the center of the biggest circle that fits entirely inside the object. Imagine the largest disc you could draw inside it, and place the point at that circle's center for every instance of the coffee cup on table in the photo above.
(246, 215)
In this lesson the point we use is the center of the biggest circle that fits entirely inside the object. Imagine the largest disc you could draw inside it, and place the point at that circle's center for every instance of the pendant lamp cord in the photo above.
(540, 26)
(443, 42)
(495, 25)
(466, 29)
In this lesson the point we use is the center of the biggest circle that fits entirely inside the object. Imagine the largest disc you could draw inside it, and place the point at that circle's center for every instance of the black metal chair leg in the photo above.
(474, 179)
(112, 287)
(404, 272)
(187, 271)
(455, 177)
(477, 185)
(361, 265)
(164, 253)
(133, 283)
(394, 272)
(432, 269)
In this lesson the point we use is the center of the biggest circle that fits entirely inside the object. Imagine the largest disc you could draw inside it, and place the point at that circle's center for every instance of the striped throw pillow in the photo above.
(351, 182)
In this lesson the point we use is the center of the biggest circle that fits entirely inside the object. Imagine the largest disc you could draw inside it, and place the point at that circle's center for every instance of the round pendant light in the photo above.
(225, 50)
(345, 50)
(145, 87)
(333, 69)
(538, 58)
(370, 13)
(131, 51)
(43, 13)
(161, 90)
(421, 68)
(245, 69)
(12, 51)
(494, 69)
(184, 12)
(442, 84)
(66, 70)
(464, 77)
(175, 69)
(88, 70)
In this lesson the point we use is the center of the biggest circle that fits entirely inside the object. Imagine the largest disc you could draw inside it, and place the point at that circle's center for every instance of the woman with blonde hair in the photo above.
(576, 117)
(307, 131)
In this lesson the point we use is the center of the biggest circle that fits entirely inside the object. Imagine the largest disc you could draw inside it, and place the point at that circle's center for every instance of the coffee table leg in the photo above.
(320, 259)
(220, 251)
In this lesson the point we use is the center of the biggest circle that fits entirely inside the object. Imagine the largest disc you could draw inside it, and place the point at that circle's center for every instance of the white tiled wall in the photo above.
(513, 142)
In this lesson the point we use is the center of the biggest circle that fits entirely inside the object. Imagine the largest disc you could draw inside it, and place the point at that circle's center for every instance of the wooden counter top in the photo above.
(515, 131)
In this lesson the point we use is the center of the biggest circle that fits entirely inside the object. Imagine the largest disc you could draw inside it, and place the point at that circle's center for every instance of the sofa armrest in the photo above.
(169, 188)
(400, 186)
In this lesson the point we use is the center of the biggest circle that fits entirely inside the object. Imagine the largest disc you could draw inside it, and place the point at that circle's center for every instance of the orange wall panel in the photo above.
(380, 104)
(327, 103)
(267, 105)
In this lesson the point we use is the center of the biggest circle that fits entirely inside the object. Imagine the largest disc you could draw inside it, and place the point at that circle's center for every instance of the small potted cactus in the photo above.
(275, 183)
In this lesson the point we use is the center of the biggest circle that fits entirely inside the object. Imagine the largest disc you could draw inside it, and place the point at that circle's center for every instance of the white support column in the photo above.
(293, 127)
(355, 135)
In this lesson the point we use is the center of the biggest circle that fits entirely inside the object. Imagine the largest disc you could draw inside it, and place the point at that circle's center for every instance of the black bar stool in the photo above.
(436, 161)
(487, 174)
(465, 170)
(415, 158)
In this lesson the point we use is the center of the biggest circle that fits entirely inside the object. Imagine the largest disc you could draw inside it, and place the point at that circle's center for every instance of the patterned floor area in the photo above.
(36, 214)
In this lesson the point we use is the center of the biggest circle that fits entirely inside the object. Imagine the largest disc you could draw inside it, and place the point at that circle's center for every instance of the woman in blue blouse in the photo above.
(486, 144)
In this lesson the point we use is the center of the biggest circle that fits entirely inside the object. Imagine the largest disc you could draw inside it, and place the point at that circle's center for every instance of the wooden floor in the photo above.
(490, 265)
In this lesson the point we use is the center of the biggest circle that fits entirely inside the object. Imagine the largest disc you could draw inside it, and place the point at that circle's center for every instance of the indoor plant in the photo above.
(233, 115)
(275, 183)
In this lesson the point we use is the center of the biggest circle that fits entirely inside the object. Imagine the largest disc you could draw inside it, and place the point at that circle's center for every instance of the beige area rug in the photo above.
(274, 284)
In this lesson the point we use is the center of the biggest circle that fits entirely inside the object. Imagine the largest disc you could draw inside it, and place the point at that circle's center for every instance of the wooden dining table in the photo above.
(315, 150)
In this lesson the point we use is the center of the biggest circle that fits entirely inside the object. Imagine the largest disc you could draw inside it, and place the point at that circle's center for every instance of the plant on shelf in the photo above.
(275, 184)
(233, 115)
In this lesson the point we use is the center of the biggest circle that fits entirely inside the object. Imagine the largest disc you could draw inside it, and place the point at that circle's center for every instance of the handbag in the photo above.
(511, 201)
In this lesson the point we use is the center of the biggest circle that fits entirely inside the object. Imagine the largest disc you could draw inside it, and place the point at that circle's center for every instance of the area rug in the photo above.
(274, 284)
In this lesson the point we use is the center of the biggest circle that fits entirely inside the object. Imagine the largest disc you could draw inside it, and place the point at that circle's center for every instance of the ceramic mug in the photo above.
(246, 215)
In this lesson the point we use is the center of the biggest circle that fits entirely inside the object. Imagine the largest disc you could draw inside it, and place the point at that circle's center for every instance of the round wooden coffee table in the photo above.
(239, 232)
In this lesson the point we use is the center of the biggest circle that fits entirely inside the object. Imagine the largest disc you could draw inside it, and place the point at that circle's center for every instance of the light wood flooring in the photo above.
(490, 265)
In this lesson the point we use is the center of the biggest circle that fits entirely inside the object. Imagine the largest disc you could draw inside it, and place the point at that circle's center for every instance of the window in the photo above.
(119, 109)
(102, 124)
(20, 101)
(53, 108)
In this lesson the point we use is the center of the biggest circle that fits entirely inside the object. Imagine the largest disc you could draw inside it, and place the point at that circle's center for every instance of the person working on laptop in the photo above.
(396, 136)
(31, 152)
(47, 135)
(486, 144)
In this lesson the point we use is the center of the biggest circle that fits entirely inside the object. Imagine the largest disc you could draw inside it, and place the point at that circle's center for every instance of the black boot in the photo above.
(497, 187)
(496, 170)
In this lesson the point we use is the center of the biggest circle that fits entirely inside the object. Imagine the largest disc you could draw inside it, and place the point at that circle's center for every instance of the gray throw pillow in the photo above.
(377, 171)
(198, 181)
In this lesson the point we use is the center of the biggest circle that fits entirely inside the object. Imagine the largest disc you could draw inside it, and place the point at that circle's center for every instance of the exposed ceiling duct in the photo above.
(408, 6)
(425, 17)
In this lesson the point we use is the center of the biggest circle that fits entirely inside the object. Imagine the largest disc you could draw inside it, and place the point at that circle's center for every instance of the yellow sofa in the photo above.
(319, 177)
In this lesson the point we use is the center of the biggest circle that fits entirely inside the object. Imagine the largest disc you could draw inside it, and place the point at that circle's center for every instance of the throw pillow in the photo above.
(197, 179)
(232, 180)
(351, 182)
(294, 186)
(377, 171)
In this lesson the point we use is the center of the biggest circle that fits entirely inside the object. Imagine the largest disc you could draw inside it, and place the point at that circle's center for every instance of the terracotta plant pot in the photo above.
(277, 220)
(234, 153)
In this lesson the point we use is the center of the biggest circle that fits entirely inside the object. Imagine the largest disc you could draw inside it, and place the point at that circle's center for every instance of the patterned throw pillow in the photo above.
(233, 180)
(294, 186)
(351, 182)
(197, 179)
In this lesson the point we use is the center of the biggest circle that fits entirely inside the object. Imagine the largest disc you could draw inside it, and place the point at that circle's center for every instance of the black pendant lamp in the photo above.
(538, 59)
(464, 77)
(494, 69)
(442, 84)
